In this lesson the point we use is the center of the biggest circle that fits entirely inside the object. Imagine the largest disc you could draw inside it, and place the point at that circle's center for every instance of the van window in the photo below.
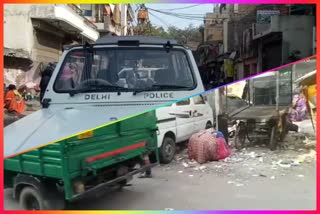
(183, 102)
(198, 100)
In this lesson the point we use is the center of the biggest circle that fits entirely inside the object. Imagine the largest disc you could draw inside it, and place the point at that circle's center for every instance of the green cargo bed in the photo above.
(85, 155)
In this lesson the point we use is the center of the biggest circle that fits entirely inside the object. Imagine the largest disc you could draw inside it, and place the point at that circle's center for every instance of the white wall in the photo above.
(18, 29)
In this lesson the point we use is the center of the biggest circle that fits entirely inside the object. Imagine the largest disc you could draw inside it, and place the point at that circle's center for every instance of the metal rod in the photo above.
(108, 183)
(277, 89)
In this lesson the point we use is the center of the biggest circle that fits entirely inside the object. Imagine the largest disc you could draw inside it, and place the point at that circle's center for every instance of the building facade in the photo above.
(261, 37)
(34, 34)
(114, 19)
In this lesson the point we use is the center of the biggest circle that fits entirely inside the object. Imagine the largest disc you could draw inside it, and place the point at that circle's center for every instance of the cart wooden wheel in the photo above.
(285, 129)
(240, 136)
(273, 138)
(249, 138)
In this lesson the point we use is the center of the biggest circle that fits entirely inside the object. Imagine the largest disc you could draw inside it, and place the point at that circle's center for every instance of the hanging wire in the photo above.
(182, 8)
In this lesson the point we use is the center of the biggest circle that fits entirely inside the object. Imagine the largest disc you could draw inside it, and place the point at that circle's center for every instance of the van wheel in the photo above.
(208, 125)
(31, 199)
(167, 150)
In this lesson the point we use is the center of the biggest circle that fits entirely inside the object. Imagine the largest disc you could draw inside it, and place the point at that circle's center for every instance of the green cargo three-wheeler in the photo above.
(46, 178)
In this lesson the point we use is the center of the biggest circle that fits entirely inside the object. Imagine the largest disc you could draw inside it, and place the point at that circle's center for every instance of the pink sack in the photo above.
(223, 149)
(202, 147)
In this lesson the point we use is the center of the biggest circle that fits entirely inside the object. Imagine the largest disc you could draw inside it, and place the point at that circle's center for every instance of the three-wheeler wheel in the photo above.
(274, 138)
(240, 135)
(31, 198)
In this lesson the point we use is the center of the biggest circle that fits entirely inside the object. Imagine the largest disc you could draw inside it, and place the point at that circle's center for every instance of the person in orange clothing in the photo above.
(14, 102)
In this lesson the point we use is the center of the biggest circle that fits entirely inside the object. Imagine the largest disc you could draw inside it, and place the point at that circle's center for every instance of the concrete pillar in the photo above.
(225, 35)
(259, 64)
(124, 23)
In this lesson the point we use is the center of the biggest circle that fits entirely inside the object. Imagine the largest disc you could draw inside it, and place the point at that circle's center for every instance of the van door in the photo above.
(201, 113)
(184, 120)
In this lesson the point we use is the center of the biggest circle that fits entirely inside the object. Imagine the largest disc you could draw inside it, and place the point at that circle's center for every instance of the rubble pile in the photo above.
(257, 162)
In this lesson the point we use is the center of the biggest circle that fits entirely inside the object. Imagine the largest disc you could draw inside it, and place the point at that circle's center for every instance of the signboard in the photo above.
(264, 16)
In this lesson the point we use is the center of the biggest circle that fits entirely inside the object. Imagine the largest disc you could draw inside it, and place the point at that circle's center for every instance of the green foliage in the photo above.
(183, 36)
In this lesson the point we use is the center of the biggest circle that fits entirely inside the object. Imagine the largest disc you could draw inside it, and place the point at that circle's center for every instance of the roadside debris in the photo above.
(202, 167)
(185, 164)
(285, 163)
(307, 157)
(235, 183)
(252, 163)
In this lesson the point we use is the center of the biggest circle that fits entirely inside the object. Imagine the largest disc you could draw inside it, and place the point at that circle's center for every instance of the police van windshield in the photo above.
(125, 69)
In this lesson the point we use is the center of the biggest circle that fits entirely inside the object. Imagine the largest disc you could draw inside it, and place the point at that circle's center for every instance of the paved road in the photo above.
(173, 187)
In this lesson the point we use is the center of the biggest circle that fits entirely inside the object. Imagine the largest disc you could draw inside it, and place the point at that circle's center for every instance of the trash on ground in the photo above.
(251, 154)
(168, 209)
(179, 158)
(284, 163)
(185, 164)
(202, 167)
(310, 155)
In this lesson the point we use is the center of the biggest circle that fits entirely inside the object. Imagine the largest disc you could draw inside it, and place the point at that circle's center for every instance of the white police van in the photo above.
(85, 90)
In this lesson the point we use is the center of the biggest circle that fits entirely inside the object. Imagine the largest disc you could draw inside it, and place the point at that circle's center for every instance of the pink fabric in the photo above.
(67, 74)
(224, 150)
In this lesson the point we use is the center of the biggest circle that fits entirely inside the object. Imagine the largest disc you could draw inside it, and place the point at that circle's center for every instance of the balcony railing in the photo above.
(75, 8)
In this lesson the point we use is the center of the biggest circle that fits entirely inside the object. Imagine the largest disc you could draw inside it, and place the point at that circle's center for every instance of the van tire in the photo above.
(31, 199)
(167, 150)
